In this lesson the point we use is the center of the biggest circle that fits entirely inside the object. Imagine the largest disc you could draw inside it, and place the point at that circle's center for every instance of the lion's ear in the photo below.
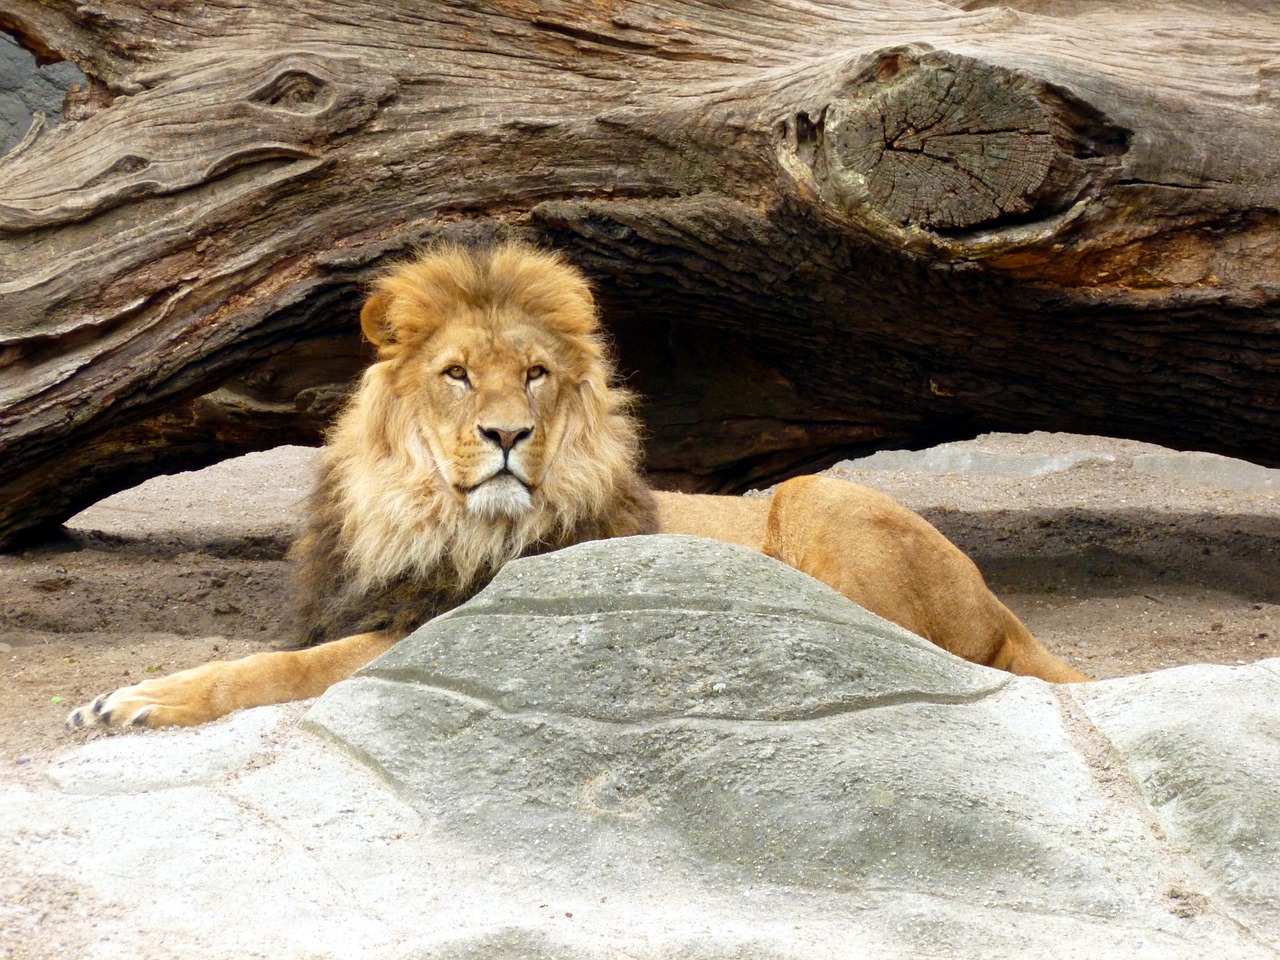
(374, 321)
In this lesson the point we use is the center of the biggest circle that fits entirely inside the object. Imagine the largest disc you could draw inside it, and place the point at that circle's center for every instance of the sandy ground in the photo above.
(1128, 561)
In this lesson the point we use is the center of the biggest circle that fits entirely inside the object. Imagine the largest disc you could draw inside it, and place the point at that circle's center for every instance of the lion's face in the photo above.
(491, 390)
(490, 423)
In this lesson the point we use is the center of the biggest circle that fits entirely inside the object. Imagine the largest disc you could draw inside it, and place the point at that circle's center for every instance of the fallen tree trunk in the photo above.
(817, 229)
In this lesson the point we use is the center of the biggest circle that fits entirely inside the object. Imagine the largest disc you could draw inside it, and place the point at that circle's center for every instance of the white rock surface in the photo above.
(664, 747)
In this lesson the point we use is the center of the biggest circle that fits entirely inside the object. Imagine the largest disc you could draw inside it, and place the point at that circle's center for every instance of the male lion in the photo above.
(490, 428)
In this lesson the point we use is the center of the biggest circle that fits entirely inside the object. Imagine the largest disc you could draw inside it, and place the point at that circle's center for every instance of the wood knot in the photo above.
(948, 143)
(294, 90)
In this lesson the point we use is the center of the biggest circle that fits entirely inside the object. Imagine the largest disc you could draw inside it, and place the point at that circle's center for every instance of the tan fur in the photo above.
(405, 452)
(489, 428)
(879, 554)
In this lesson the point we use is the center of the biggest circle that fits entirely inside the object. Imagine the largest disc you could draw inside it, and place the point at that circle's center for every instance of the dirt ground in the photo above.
(1119, 565)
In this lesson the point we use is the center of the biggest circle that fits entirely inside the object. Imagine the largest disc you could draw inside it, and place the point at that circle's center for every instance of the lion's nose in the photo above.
(505, 439)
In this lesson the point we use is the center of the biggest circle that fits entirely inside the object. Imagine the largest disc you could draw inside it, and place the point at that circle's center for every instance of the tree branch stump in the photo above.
(948, 143)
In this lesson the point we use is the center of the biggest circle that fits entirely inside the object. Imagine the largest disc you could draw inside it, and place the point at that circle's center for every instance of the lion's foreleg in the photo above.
(215, 689)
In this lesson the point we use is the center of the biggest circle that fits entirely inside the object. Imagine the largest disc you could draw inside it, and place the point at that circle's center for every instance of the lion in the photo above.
(489, 427)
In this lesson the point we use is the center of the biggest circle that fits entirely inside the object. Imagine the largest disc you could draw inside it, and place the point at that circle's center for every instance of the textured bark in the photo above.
(817, 228)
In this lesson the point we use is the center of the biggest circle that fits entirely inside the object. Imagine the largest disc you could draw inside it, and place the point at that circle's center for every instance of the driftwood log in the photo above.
(817, 228)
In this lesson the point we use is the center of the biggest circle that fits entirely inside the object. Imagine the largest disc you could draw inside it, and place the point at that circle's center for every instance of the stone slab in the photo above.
(663, 747)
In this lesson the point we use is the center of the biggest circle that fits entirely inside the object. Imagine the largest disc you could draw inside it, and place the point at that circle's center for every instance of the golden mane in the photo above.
(383, 521)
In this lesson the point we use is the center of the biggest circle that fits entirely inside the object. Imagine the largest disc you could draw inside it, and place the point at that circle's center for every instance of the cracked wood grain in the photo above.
(816, 229)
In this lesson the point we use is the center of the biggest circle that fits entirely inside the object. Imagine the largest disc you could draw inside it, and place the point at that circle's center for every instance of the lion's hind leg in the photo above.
(1015, 649)
(890, 560)
(215, 689)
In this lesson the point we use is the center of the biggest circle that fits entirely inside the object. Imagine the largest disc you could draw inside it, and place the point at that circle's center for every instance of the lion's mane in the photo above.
(384, 545)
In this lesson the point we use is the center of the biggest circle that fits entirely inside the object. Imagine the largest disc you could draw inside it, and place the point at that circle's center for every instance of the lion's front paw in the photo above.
(123, 708)
(106, 711)
(177, 700)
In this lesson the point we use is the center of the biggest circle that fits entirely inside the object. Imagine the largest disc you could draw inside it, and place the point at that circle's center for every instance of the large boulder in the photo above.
(673, 701)
(668, 747)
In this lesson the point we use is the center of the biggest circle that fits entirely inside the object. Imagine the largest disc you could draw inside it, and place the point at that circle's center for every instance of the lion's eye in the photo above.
(456, 372)
(535, 373)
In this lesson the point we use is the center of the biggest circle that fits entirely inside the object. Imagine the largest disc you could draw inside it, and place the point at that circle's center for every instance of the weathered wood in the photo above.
(817, 228)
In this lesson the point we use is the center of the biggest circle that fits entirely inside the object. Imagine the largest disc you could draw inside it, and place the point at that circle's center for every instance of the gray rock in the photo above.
(203, 755)
(622, 697)
(956, 458)
(1204, 747)
(27, 90)
(664, 747)
(1209, 469)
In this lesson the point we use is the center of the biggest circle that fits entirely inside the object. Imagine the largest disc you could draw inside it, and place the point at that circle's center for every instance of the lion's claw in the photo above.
(92, 714)
(113, 709)
(89, 715)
